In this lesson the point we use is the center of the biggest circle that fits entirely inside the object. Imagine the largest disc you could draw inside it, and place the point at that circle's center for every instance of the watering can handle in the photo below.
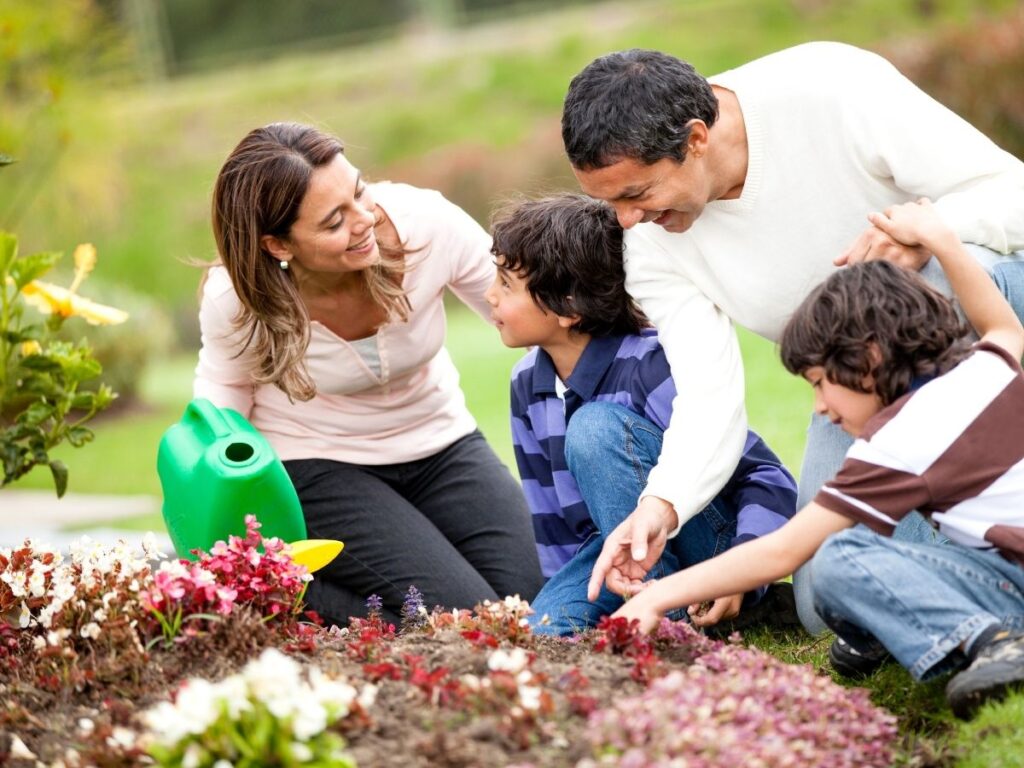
(201, 412)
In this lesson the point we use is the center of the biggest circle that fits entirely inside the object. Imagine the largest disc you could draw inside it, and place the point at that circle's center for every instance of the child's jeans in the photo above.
(609, 451)
(921, 601)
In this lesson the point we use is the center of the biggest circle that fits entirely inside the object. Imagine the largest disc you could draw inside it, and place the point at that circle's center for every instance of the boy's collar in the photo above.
(594, 362)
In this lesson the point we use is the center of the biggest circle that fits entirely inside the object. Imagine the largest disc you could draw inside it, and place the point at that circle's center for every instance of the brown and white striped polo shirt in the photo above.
(953, 449)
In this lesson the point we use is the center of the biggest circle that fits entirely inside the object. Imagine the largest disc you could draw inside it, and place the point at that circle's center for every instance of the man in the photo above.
(740, 195)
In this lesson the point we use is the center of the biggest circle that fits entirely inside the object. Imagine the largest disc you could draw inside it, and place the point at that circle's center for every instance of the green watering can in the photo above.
(215, 469)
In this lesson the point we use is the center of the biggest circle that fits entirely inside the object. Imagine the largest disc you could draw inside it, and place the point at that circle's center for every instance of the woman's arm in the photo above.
(222, 376)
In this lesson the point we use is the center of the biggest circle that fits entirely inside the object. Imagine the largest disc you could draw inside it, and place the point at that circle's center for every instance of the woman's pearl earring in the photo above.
(284, 264)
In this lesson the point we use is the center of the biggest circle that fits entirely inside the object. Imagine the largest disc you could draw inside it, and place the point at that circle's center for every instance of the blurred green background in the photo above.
(120, 112)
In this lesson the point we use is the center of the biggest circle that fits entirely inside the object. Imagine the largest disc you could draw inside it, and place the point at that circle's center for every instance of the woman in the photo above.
(323, 323)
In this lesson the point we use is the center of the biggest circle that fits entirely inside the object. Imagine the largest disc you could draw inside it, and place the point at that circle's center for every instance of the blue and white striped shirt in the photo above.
(631, 371)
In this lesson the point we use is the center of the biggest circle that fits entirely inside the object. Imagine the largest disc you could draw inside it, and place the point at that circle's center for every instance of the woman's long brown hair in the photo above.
(258, 192)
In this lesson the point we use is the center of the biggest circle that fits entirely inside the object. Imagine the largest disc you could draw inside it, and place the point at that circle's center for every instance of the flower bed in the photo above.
(108, 659)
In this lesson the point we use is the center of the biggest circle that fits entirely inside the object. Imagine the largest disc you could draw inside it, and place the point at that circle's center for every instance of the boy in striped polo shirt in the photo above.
(589, 404)
(939, 427)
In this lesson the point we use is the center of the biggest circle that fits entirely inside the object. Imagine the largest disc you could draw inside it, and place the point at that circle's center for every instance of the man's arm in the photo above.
(739, 569)
(705, 434)
(901, 133)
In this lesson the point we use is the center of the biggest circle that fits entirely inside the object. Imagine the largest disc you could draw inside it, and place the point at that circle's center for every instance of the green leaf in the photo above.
(79, 436)
(83, 401)
(41, 363)
(28, 268)
(36, 414)
(8, 251)
(60, 476)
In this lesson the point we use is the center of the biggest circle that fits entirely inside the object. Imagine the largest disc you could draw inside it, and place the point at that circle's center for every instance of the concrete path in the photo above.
(44, 518)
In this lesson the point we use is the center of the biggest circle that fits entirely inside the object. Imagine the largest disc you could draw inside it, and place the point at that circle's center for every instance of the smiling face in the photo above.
(520, 320)
(843, 406)
(333, 233)
(672, 194)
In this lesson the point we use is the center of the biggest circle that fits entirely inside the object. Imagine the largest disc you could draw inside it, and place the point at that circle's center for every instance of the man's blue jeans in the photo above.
(609, 451)
(920, 601)
(827, 444)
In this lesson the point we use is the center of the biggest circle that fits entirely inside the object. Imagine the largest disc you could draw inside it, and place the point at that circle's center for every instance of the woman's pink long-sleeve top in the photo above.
(415, 408)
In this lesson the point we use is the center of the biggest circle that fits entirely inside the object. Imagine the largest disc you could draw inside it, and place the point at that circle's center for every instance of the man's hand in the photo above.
(875, 245)
(633, 548)
(722, 609)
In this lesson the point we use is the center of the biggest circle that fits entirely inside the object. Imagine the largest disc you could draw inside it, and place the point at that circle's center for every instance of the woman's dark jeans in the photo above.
(455, 525)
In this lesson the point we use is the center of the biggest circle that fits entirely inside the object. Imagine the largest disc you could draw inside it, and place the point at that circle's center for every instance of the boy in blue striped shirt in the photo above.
(589, 404)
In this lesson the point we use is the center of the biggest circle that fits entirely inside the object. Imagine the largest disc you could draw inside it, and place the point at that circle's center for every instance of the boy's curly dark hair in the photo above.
(915, 328)
(568, 249)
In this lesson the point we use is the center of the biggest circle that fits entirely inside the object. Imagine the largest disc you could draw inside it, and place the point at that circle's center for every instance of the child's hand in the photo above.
(722, 609)
(912, 223)
(637, 607)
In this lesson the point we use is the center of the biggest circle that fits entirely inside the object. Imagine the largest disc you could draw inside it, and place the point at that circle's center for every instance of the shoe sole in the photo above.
(991, 684)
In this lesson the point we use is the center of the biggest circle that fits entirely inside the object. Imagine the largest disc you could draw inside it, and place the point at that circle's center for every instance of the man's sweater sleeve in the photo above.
(708, 426)
(903, 134)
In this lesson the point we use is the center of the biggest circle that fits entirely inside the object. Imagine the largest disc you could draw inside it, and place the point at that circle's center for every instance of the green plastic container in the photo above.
(215, 469)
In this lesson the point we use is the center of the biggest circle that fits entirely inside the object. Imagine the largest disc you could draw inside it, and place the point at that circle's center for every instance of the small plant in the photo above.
(271, 713)
(41, 403)
(186, 597)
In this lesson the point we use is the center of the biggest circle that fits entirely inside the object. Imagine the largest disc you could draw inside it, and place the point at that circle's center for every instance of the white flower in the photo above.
(310, 719)
(37, 583)
(91, 630)
(367, 696)
(121, 737)
(223, 764)
(24, 618)
(62, 586)
(529, 696)
(85, 725)
(508, 661)
(270, 674)
(301, 752)
(193, 756)
(18, 750)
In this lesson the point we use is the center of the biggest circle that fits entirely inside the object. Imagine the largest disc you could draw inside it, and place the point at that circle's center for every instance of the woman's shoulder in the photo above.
(400, 199)
(218, 292)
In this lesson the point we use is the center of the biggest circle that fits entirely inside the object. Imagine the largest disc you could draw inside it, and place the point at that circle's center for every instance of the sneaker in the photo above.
(854, 664)
(997, 668)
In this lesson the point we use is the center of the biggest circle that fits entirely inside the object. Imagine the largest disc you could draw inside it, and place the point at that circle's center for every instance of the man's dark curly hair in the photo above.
(568, 249)
(634, 104)
(915, 328)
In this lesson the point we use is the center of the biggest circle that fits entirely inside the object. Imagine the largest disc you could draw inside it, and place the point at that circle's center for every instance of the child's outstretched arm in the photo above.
(982, 303)
(739, 569)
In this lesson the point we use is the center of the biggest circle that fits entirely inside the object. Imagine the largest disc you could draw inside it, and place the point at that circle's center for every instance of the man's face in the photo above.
(669, 193)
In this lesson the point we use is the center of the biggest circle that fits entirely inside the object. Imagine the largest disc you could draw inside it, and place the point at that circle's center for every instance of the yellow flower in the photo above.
(85, 261)
(29, 348)
(85, 258)
(49, 298)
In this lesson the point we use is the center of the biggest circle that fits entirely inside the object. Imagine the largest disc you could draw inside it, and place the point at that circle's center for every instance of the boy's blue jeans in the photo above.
(919, 600)
(827, 444)
(610, 450)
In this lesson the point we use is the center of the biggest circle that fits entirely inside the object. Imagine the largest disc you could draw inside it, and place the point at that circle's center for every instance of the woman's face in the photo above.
(334, 229)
